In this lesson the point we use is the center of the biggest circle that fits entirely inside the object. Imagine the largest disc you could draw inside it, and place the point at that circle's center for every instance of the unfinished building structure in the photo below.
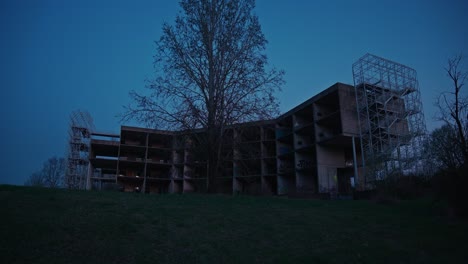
(323, 146)
(308, 150)
(391, 119)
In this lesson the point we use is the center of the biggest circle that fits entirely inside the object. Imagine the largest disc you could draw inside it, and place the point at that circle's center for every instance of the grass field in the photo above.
(61, 226)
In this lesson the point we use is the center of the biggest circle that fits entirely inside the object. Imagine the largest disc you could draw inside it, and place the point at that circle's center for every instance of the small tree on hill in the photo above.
(210, 72)
(36, 179)
(51, 175)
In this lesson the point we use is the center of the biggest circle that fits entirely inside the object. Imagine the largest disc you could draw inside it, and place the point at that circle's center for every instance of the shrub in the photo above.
(451, 185)
(401, 188)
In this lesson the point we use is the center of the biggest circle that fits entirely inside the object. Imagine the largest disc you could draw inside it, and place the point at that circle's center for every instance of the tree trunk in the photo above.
(212, 160)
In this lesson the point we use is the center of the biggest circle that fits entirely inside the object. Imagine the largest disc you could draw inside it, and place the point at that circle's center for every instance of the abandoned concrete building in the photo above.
(345, 137)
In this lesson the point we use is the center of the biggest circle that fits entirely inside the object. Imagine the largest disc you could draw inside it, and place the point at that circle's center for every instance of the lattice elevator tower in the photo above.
(390, 117)
(79, 134)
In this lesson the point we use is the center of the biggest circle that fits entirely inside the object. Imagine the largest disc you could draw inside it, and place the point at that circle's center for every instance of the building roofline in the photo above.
(105, 134)
(289, 113)
(146, 130)
(314, 98)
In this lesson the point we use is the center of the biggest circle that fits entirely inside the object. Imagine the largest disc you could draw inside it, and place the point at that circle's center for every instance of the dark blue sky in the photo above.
(58, 56)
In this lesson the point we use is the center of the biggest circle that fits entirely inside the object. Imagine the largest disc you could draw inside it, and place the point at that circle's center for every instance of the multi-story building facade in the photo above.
(309, 150)
(346, 136)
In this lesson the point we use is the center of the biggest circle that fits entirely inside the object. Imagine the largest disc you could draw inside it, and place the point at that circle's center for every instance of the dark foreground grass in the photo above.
(61, 226)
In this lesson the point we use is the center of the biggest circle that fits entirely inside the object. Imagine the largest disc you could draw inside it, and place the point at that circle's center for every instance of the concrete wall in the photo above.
(328, 160)
(349, 119)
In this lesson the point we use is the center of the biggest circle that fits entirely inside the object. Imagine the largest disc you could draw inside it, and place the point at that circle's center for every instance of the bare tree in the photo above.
(36, 179)
(211, 71)
(448, 144)
(453, 106)
(51, 175)
(54, 171)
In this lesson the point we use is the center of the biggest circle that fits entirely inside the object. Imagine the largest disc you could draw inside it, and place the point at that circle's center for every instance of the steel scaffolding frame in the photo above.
(79, 137)
(390, 117)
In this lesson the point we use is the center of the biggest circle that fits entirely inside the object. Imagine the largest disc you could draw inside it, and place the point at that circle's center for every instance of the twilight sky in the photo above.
(62, 55)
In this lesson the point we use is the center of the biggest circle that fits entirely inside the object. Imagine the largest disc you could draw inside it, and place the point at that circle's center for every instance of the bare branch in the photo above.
(210, 72)
(51, 175)
(453, 110)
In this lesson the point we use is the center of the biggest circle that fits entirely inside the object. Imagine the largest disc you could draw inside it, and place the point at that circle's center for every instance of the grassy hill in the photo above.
(60, 226)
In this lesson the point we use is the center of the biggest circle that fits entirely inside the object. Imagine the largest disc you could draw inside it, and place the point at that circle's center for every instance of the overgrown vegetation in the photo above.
(448, 145)
(402, 188)
(40, 225)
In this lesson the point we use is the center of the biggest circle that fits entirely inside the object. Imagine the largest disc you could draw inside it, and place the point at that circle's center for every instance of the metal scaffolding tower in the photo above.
(79, 134)
(390, 116)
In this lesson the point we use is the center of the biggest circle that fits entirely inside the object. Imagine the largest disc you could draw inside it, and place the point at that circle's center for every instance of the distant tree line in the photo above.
(51, 174)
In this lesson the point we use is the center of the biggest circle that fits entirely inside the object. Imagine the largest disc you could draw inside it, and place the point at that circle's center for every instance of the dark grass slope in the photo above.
(61, 226)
